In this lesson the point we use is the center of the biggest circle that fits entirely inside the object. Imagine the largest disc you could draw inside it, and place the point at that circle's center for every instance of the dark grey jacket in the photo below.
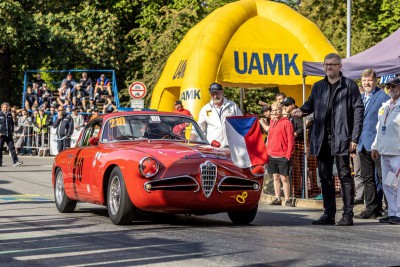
(347, 115)
(64, 126)
(6, 124)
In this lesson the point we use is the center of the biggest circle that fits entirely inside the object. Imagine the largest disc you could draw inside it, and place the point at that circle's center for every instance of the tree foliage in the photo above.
(136, 37)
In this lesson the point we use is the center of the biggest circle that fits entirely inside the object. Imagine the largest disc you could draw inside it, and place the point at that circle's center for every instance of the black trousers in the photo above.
(63, 144)
(10, 143)
(325, 171)
(368, 167)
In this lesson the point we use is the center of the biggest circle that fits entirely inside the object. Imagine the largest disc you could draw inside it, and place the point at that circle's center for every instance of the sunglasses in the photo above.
(390, 86)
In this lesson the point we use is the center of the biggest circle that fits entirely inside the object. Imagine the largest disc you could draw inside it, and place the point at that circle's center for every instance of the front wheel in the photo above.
(120, 208)
(244, 217)
(63, 203)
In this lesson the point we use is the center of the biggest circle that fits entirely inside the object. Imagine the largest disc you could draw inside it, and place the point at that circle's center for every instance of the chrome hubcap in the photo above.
(114, 195)
(59, 188)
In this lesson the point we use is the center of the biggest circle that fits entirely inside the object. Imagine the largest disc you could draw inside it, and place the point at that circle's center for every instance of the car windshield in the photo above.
(139, 127)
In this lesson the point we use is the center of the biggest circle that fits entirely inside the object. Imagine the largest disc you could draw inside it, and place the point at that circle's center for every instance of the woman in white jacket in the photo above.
(387, 144)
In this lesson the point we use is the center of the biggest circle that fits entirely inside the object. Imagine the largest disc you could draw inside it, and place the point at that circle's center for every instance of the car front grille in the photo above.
(208, 175)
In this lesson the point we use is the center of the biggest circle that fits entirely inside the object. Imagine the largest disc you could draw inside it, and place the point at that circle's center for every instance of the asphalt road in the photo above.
(34, 233)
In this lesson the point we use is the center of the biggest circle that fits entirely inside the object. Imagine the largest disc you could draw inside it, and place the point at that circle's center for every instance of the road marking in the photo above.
(25, 197)
(90, 252)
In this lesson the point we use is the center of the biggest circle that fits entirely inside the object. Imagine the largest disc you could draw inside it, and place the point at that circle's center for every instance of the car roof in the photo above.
(146, 112)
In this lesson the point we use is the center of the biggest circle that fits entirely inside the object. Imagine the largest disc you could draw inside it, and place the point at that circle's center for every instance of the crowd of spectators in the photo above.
(84, 100)
(84, 95)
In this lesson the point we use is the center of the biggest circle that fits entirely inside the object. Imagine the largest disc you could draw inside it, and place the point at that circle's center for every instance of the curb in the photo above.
(311, 203)
(299, 202)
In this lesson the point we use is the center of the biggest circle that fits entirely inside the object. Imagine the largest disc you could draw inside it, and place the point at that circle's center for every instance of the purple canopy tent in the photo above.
(384, 58)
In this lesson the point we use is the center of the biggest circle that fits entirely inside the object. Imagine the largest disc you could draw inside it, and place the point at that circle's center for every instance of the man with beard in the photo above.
(387, 145)
(373, 98)
(213, 115)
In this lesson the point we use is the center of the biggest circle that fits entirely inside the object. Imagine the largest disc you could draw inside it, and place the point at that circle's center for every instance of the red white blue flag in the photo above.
(245, 141)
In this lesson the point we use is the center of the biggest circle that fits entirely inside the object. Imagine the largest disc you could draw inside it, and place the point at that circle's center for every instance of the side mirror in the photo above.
(94, 141)
(215, 143)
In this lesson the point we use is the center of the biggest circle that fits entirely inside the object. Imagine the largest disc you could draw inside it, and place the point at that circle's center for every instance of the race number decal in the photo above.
(117, 122)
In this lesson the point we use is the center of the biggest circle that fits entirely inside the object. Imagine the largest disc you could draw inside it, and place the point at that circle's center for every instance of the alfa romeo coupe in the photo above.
(153, 161)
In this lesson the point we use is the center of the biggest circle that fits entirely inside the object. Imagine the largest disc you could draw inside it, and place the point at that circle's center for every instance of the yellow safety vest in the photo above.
(42, 122)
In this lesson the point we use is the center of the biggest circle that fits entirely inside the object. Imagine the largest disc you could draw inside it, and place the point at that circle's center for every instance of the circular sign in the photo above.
(137, 90)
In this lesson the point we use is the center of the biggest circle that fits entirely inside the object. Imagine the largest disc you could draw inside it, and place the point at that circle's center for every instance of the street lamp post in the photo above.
(348, 54)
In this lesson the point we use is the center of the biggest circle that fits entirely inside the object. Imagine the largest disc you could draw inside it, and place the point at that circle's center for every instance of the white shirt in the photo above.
(212, 120)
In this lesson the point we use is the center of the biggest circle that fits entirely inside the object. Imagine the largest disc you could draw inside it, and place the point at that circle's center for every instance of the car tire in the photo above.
(120, 208)
(244, 217)
(63, 203)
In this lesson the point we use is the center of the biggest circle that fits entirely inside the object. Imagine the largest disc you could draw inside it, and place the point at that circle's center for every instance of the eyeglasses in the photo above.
(388, 86)
(331, 65)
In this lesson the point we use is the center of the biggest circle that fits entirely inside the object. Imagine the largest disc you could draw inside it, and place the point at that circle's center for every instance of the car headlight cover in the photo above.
(148, 167)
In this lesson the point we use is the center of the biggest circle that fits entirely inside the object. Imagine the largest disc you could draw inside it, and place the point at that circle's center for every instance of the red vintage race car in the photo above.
(153, 161)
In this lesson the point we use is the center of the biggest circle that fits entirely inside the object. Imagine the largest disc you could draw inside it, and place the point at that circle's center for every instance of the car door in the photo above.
(84, 167)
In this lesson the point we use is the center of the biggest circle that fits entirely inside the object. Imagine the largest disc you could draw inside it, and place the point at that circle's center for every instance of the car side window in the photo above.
(91, 131)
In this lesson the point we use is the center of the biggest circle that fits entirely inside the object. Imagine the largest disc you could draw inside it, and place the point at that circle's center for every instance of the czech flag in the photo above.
(245, 141)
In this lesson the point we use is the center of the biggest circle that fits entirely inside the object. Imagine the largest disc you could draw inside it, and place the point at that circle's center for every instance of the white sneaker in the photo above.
(18, 163)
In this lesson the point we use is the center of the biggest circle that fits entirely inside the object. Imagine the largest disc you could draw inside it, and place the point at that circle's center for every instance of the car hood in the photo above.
(177, 149)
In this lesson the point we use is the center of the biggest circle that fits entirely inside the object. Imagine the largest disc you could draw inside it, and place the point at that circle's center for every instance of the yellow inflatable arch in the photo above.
(249, 43)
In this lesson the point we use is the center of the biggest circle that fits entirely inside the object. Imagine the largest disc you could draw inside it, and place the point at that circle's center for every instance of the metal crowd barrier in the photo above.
(43, 143)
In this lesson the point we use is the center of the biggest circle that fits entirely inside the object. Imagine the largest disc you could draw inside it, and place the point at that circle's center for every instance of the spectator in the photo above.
(280, 97)
(180, 129)
(373, 99)
(53, 114)
(280, 146)
(358, 183)
(23, 121)
(41, 123)
(296, 173)
(180, 110)
(64, 128)
(103, 87)
(387, 146)
(78, 97)
(47, 95)
(109, 106)
(44, 106)
(79, 122)
(6, 133)
(212, 116)
(87, 84)
(38, 80)
(91, 106)
(62, 94)
(70, 83)
(68, 106)
(338, 117)
(265, 124)
(95, 114)
(30, 98)
(36, 90)
(265, 121)
(288, 106)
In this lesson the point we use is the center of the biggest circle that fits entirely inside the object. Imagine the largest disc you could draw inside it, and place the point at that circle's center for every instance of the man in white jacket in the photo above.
(387, 144)
(213, 115)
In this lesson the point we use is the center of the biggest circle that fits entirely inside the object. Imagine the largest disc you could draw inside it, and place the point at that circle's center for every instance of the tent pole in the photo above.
(305, 178)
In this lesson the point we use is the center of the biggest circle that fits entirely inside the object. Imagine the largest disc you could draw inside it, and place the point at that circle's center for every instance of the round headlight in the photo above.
(148, 167)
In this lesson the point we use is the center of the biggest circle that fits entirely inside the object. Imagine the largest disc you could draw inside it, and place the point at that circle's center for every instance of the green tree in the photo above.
(389, 18)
